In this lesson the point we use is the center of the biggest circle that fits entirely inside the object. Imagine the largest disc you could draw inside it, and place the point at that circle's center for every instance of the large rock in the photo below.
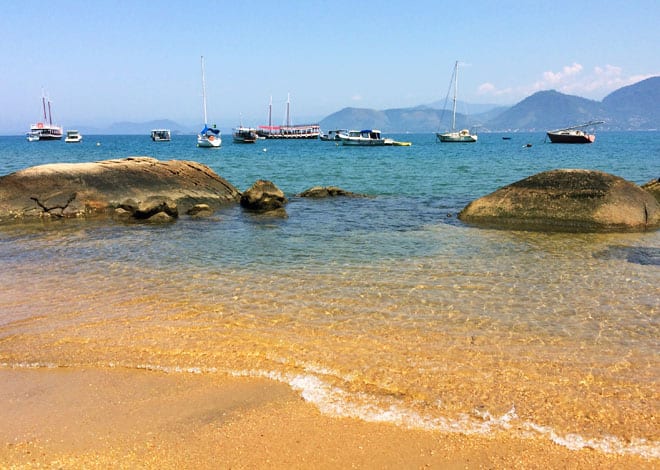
(653, 187)
(263, 196)
(567, 200)
(138, 186)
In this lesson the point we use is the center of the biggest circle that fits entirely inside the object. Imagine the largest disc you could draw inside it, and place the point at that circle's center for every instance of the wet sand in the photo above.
(119, 418)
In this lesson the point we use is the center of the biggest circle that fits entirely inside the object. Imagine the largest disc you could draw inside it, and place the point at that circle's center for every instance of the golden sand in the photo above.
(118, 418)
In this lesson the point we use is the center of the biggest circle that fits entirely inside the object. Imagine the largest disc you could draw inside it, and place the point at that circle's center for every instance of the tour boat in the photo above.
(288, 131)
(45, 130)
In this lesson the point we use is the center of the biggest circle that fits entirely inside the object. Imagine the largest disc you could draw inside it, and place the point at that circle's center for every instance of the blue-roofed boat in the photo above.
(209, 137)
(366, 137)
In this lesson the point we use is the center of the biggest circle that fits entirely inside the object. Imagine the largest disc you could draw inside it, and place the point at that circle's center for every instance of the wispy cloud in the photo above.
(572, 80)
(356, 97)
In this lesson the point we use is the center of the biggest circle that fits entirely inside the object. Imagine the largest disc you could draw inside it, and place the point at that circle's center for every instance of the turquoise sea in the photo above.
(385, 308)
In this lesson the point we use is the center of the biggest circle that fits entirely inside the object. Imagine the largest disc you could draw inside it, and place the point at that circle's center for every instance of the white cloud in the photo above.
(572, 79)
(488, 89)
(356, 97)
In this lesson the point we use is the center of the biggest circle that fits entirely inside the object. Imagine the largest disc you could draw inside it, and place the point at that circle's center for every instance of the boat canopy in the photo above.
(211, 129)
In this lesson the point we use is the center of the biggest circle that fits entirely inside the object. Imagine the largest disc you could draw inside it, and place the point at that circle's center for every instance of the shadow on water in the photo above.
(646, 256)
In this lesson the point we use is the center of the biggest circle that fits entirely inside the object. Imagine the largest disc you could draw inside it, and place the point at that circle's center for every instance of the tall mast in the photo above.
(50, 116)
(288, 104)
(270, 114)
(43, 102)
(453, 121)
(204, 91)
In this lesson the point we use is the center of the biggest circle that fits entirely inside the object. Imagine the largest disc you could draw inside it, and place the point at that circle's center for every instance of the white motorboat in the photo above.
(366, 137)
(463, 135)
(333, 135)
(73, 137)
(161, 135)
(209, 137)
(245, 135)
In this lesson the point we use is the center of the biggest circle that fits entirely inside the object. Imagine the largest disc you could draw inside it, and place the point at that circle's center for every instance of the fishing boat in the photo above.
(287, 131)
(45, 130)
(574, 134)
(209, 137)
(366, 137)
(463, 135)
(333, 135)
(161, 135)
(73, 137)
(245, 135)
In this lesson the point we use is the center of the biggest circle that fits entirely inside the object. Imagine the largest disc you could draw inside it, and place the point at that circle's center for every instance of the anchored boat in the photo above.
(463, 135)
(45, 130)
(209, 137)
(574, 134)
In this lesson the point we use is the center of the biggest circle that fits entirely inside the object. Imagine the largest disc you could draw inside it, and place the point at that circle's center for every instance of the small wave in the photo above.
(334, 401)
(29, 365)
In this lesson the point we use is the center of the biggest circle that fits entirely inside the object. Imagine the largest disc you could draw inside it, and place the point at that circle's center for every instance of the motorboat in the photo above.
(209, 137)
(366, 137)
(245, 135)
(573, 135)
(161, 135)
(73, 137)
(454, 135)
(333, 135)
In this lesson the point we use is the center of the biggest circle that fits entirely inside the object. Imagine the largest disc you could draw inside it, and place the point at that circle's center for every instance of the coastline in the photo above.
(126, 418)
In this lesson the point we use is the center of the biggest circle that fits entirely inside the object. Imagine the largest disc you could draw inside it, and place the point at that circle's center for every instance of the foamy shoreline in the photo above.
(137, 418)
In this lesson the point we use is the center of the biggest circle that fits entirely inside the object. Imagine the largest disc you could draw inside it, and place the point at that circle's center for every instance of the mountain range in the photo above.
(634, 107)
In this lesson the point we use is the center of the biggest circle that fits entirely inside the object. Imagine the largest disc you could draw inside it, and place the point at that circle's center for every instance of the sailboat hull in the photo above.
(208, 141)
(462, 136)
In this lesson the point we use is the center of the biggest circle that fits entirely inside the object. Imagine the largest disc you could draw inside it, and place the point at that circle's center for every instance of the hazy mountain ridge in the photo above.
(634, 107)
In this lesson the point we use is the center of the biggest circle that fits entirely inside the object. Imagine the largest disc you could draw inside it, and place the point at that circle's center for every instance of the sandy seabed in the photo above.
(118, 418)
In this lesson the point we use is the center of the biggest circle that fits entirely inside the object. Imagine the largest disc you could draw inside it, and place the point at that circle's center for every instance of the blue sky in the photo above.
(107, 61)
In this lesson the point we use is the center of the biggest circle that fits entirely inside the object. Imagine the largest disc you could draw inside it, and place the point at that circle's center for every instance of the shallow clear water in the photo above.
(384, 308)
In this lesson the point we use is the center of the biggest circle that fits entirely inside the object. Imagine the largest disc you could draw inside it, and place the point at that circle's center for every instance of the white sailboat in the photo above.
(463, 135)
(208, 137)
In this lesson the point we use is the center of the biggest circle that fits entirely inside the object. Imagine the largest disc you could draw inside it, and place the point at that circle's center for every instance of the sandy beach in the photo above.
(118, 418)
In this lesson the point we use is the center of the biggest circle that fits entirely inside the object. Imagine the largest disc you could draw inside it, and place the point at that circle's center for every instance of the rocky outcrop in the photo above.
(263, 196)
(134, 187)
(653, 187)
(567, 200)
(318, 192)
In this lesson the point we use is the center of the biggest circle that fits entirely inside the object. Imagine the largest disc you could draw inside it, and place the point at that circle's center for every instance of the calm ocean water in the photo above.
(384, 308)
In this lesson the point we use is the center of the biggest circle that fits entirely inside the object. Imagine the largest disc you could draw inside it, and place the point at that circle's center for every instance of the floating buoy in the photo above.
(265, 150)
(98, 144)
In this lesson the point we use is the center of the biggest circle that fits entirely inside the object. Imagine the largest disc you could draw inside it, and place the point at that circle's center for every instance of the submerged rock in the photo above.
(644, 255)
(567, 201)
(133, 187)
(318, 192)
(263, 196)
